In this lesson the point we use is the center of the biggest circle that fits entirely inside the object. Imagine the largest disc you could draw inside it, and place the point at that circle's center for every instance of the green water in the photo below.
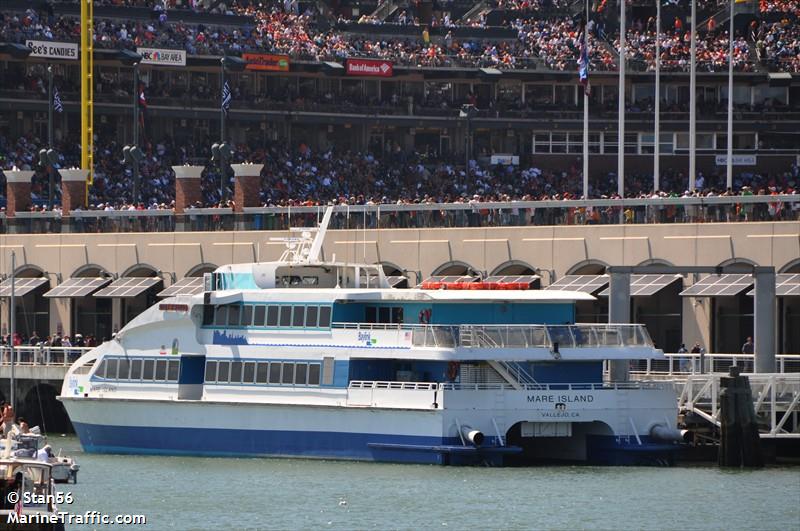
(211, 493)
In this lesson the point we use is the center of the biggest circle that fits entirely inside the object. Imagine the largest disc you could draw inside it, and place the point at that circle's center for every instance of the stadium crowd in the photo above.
(553, 41)
(298, 176)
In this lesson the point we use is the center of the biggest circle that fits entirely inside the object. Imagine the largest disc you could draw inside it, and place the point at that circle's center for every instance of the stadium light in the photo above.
(132, 155)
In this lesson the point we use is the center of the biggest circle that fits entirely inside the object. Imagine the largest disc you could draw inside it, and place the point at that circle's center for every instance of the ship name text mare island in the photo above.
(304, 357)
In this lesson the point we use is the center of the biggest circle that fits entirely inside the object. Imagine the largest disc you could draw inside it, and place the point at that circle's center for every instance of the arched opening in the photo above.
(789, 310)
(200, 270)
(595, 311)
(135, 295)
(546, 442)
(397, 277)
(40, 407)
(31, 308)
(514, 267)
(588, 267)
(455, 268)
(91, 316)
(732, 321)
(660, 311)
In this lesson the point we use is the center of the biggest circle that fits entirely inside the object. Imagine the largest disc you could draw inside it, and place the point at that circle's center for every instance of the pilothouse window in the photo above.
(324, 316)
(299, 316)
(211, 371)
(286, 316)
(259, 315)
(272, 315)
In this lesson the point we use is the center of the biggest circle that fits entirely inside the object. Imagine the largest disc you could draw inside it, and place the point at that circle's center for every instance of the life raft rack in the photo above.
(475, 285)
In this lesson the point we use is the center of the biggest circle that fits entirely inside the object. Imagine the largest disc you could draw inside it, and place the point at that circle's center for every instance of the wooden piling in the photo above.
(740, 444)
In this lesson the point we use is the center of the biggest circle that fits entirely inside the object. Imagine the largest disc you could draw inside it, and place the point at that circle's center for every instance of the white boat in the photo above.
(28, 445)
(304, 357)
(28, 499)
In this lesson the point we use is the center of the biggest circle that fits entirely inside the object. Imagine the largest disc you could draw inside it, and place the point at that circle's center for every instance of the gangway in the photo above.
(776, 401)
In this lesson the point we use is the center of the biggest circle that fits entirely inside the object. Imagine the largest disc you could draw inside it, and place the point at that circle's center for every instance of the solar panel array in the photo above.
(128, 287)
(394, 281)
(646, 285)
(584, 283)
(78, 287)
(526, 279)
(22, 286)
(786, 285)
(451, 278)
(719, 286)
(185, 286)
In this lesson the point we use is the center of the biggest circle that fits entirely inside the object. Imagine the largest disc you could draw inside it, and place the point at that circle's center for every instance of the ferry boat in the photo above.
(303, 357)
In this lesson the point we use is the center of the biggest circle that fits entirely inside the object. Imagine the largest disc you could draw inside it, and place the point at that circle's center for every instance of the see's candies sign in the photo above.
(369, 67)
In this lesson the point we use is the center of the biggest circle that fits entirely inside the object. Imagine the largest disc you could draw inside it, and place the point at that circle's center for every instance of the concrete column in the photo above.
(18, 194)
(619, 311)
(188, 191)
(73, 190)
(764, 317)
(246, 191)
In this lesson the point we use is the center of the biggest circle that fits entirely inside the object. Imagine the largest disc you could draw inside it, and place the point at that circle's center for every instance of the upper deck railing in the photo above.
(552, 337)
(422, 215)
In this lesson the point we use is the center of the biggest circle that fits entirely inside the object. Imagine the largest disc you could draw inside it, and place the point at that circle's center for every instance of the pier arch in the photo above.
(32, 309)
(662, 311)
(514, 267)
(732, 320)
(588, 267)
(393, 270)
(89, 315)
(40, 407)
(789, 316)
(201, 269)
(127, 306)
(455, 268)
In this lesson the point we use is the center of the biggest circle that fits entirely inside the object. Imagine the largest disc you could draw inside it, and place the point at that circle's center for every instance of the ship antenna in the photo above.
(316, 246)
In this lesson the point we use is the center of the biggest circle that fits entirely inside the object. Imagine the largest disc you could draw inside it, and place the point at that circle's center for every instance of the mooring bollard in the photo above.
(739, 443)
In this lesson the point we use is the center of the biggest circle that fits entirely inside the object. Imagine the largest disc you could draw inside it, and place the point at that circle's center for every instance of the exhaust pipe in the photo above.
(662, 432)
(475, 437)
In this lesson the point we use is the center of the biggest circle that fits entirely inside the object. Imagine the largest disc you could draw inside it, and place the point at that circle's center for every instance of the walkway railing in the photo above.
(682, 365)
(42, 355)
(517, 336)
(428, 215)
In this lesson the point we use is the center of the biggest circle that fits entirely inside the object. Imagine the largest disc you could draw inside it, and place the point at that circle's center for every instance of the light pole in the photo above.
(48, 158)
(132, 155)
(467, 112)
(221, 151)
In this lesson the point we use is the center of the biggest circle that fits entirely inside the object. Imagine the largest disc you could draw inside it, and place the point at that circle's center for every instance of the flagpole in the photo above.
(729, 163)
(692, 98)
(621, 107)
(51, 185)
(136, 103)
(222, 128)
(586, 108)
(657, 110)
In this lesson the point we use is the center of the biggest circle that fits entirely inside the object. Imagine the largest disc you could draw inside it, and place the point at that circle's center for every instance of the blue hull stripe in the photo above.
(216, 442)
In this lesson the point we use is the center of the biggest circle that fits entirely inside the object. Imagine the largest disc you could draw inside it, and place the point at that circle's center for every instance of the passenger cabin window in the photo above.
(383, 314)
(276, 373)
(132, 369)
(272, 316)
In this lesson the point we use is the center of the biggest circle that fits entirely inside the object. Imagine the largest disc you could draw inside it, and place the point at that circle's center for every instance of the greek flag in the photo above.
(57, 105)
(226, 97)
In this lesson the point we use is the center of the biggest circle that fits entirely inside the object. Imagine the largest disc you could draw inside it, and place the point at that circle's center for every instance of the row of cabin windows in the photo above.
(138, 369)
(263, 372)
(267, 316)
(383, 314)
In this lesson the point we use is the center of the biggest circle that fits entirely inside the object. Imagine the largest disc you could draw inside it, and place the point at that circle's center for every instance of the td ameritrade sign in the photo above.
(53, 50)
(369, 67)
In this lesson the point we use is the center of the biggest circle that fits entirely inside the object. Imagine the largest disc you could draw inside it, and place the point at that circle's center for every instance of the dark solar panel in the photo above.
(22, 286)
(646, 285)
(185, 286)
(78, 287)
(584, 283)
(719, 286)
(517, 279)
(450, 278)
(396, 281)
(786, 285)
(128, 287)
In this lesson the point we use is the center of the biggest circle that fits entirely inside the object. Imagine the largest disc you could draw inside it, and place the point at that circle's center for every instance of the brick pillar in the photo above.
(73, 190)
(18, 191)
(247, 178)
(188, 189)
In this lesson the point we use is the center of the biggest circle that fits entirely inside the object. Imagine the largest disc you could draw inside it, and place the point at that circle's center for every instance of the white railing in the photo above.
(407, 386)
(42, 355)
(432, 386)
(517, 336)
(776, 399)
(681, 365)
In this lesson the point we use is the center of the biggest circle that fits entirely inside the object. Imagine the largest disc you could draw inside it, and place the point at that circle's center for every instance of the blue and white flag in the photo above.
(583, 63)
(57, 105)
(226, 97)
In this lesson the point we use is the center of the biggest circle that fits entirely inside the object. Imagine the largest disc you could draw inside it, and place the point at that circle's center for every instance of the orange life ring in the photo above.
(452, 370)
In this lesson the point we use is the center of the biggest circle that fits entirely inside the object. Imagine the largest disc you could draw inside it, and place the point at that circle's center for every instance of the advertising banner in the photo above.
(266, 61)
(738, 160)
(53, 50)
(369, 67)
(156, 56)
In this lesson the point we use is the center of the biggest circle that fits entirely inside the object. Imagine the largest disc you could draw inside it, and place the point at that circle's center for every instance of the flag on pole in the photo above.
(226, 97)
(583, 63)
(57, 105)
